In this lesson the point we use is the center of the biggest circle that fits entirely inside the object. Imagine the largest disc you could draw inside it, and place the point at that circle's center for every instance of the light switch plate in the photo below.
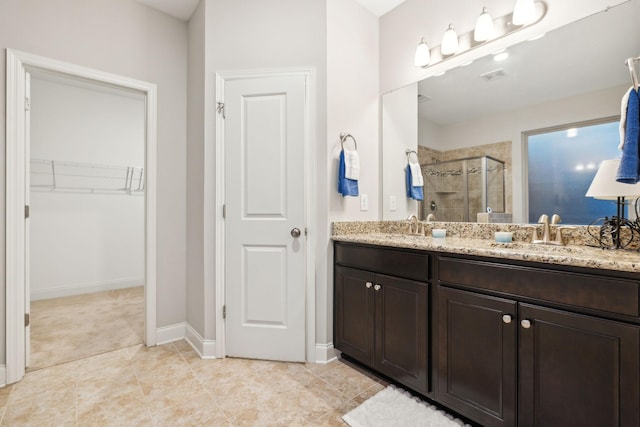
(364, 202)
(392, 204)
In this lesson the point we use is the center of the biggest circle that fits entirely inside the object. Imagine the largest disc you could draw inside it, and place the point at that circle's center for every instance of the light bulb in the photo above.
(524, 12)
(423, 56)
(449, 44)
(484, 27)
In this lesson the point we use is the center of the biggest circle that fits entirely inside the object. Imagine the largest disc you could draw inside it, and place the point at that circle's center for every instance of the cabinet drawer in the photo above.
(382, 260)
(581, 290)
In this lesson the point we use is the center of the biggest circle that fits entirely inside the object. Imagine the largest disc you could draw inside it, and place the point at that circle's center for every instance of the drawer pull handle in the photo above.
(368, 285)
(506, 318)
(526, 323)
(377, 287)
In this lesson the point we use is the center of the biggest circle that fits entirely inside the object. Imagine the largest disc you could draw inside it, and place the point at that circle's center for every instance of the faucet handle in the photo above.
(544, 219)
(555, 219)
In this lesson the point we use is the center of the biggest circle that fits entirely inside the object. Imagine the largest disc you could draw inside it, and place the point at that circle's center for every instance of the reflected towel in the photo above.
(413, 192)
(346, 186)
(629, 169)
(623, 117)
(416, 174)
(351, 164)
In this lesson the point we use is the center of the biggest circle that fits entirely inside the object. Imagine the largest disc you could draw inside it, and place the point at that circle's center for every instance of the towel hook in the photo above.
(343, 139)
(409, 152)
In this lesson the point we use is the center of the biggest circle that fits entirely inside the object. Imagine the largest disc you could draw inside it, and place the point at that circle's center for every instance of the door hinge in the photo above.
(27, 319)
(224, 211)
(220, 109)
(27, 104)
(224, 311)
(27, 211)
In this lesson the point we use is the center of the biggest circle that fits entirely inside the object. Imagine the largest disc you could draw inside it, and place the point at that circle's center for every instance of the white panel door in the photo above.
(265, 217)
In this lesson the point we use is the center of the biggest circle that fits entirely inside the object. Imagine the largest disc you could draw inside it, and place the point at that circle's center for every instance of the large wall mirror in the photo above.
(472, 122)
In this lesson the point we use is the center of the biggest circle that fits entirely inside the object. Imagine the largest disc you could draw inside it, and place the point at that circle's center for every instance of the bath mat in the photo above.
(395, 407)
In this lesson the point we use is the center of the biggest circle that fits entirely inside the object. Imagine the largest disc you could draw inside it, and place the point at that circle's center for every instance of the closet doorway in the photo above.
(86, 231)
(81, 170)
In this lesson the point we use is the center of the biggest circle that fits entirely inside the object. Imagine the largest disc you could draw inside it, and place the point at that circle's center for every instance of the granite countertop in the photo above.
(579, 256)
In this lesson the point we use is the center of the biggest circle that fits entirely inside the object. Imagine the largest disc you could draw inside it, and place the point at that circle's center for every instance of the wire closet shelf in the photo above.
(77, 177)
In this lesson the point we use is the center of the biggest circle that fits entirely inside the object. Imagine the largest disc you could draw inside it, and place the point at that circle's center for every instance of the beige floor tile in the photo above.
(72, 328)
(199, 411)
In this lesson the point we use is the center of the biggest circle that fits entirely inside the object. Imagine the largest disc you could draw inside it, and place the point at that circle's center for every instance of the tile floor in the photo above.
(170, 385)
(75, 327)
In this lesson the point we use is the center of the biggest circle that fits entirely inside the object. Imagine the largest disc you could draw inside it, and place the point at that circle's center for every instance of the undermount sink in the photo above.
(538, 248)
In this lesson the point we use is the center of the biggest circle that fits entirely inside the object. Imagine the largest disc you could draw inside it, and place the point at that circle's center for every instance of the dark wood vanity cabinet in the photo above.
(505, 362)
(382, 320)
(514, 343)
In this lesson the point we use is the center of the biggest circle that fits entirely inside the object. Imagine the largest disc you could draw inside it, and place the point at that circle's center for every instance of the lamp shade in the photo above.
(605, 187)
(484, 27)
(423, 56)
(449, 44)
(524, 12)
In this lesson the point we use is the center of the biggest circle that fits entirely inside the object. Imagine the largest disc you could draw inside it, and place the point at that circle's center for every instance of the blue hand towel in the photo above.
(413, 192)
(629, 169)
(346, 186)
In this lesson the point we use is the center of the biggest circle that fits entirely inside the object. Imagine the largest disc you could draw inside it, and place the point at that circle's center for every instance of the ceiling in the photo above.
(183, 9)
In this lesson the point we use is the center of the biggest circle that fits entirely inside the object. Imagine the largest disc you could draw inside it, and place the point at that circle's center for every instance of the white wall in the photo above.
(129, 39)
(195, 165)
(352, 107)
(83, 242)
(352, 100)
(510, 126)
(402, 28)
(400, 131)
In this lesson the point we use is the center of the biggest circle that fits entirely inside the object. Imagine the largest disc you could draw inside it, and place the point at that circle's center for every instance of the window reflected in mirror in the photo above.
(561, 165)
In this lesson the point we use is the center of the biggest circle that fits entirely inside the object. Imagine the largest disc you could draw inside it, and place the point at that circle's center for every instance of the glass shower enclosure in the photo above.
(457, 190)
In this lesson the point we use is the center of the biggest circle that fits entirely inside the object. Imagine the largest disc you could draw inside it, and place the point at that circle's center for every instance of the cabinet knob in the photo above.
(368, 285)
(526, 323)
(377, 287)
(506, 318)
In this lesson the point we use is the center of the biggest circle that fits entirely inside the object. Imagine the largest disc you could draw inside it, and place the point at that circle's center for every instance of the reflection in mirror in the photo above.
(573, 74)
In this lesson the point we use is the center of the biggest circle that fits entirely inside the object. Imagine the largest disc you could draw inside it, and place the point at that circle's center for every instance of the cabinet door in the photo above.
(353, 313)
(402, 330)
(477, 356)
(577, 370)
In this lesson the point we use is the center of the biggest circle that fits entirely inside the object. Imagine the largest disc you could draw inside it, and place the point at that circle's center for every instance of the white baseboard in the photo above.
(88, 288)
(171, 333)
(206, 349)
(3, 375)
(325, 353)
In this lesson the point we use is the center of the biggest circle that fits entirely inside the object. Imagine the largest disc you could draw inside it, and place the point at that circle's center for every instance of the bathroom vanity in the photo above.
(505, 335)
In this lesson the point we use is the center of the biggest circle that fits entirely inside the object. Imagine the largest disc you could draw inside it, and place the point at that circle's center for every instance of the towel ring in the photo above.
(343, 139)
(409, 152)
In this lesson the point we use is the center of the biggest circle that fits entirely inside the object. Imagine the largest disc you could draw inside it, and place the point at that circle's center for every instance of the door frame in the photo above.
(214, 204)
(18, 63)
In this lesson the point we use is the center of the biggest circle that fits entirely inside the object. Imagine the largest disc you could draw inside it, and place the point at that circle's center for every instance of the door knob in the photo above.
(506, 318)
(526, 323)
(295, 232)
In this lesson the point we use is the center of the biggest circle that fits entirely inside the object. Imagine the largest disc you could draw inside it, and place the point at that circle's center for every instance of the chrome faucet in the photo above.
(413, 224)
(431, 217)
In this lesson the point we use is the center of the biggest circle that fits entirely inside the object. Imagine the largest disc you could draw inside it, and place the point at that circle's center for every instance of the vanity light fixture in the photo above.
(500, 56)
(449, 44)
(484, 29)
(524, 12)
(423, 56)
